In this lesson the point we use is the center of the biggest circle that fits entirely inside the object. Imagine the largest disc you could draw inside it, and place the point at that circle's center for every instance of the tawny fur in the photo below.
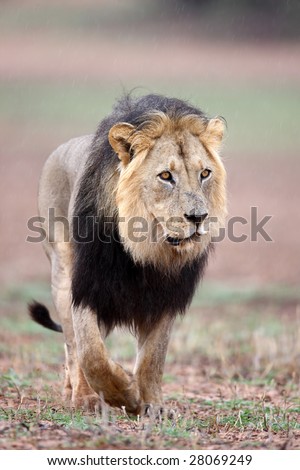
(142, 285)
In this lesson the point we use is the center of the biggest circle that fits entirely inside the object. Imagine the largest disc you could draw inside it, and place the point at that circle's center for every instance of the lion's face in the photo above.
(171, 192)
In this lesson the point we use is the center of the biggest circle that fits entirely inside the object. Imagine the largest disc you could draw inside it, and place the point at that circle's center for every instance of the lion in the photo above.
(136, 206)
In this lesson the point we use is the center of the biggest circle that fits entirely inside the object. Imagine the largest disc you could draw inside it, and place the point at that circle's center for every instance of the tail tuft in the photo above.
(40, 314)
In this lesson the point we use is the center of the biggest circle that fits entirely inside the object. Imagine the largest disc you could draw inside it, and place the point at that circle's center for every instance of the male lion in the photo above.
(137, 196)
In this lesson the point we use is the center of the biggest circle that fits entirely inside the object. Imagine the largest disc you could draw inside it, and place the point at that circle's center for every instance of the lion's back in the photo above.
(61, 174)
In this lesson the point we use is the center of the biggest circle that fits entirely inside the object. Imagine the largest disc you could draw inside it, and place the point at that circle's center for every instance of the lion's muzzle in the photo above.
(195, 218)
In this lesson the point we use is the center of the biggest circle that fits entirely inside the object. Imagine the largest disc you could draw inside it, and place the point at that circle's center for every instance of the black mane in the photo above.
(105, 277)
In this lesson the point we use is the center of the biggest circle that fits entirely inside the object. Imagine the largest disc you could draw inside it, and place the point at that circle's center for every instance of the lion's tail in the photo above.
(40, 314)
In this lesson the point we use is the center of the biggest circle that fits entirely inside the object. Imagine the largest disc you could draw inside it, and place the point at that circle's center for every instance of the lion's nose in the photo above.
(196, 218)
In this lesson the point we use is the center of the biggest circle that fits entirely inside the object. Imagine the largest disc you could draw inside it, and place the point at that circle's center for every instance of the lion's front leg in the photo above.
(149, 367)
(107, 378)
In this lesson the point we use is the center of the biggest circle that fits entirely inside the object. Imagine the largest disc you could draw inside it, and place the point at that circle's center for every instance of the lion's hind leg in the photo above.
(76, 388)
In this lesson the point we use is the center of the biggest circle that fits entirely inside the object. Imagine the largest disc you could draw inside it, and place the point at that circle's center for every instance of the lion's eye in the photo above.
(166, 176)
(205, 174)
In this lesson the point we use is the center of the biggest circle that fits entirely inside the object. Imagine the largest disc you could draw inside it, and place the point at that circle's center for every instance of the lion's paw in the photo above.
(90, 402)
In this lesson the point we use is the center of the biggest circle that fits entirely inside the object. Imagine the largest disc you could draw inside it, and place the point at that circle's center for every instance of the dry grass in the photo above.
(231, 381)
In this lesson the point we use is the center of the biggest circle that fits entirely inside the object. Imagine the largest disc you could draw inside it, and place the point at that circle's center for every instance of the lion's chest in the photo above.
(125, 294)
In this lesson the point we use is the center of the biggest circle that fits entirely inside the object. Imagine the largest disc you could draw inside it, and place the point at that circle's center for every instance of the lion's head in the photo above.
(170, 193)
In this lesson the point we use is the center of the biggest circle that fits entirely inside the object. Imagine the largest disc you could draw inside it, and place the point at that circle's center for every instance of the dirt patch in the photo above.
(199, 423)
(226, 396)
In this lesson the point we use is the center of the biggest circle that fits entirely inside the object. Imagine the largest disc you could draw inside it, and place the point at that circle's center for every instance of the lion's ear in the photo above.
(213, 134)
(118, 137)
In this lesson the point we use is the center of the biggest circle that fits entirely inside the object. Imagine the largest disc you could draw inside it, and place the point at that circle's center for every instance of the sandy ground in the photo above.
(46, 434)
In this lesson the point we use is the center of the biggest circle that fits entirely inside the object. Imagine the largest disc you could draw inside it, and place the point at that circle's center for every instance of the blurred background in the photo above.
(63, 64)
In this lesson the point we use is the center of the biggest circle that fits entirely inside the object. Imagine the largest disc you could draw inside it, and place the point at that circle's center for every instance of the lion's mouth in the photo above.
(180, 241)
(174, 241)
